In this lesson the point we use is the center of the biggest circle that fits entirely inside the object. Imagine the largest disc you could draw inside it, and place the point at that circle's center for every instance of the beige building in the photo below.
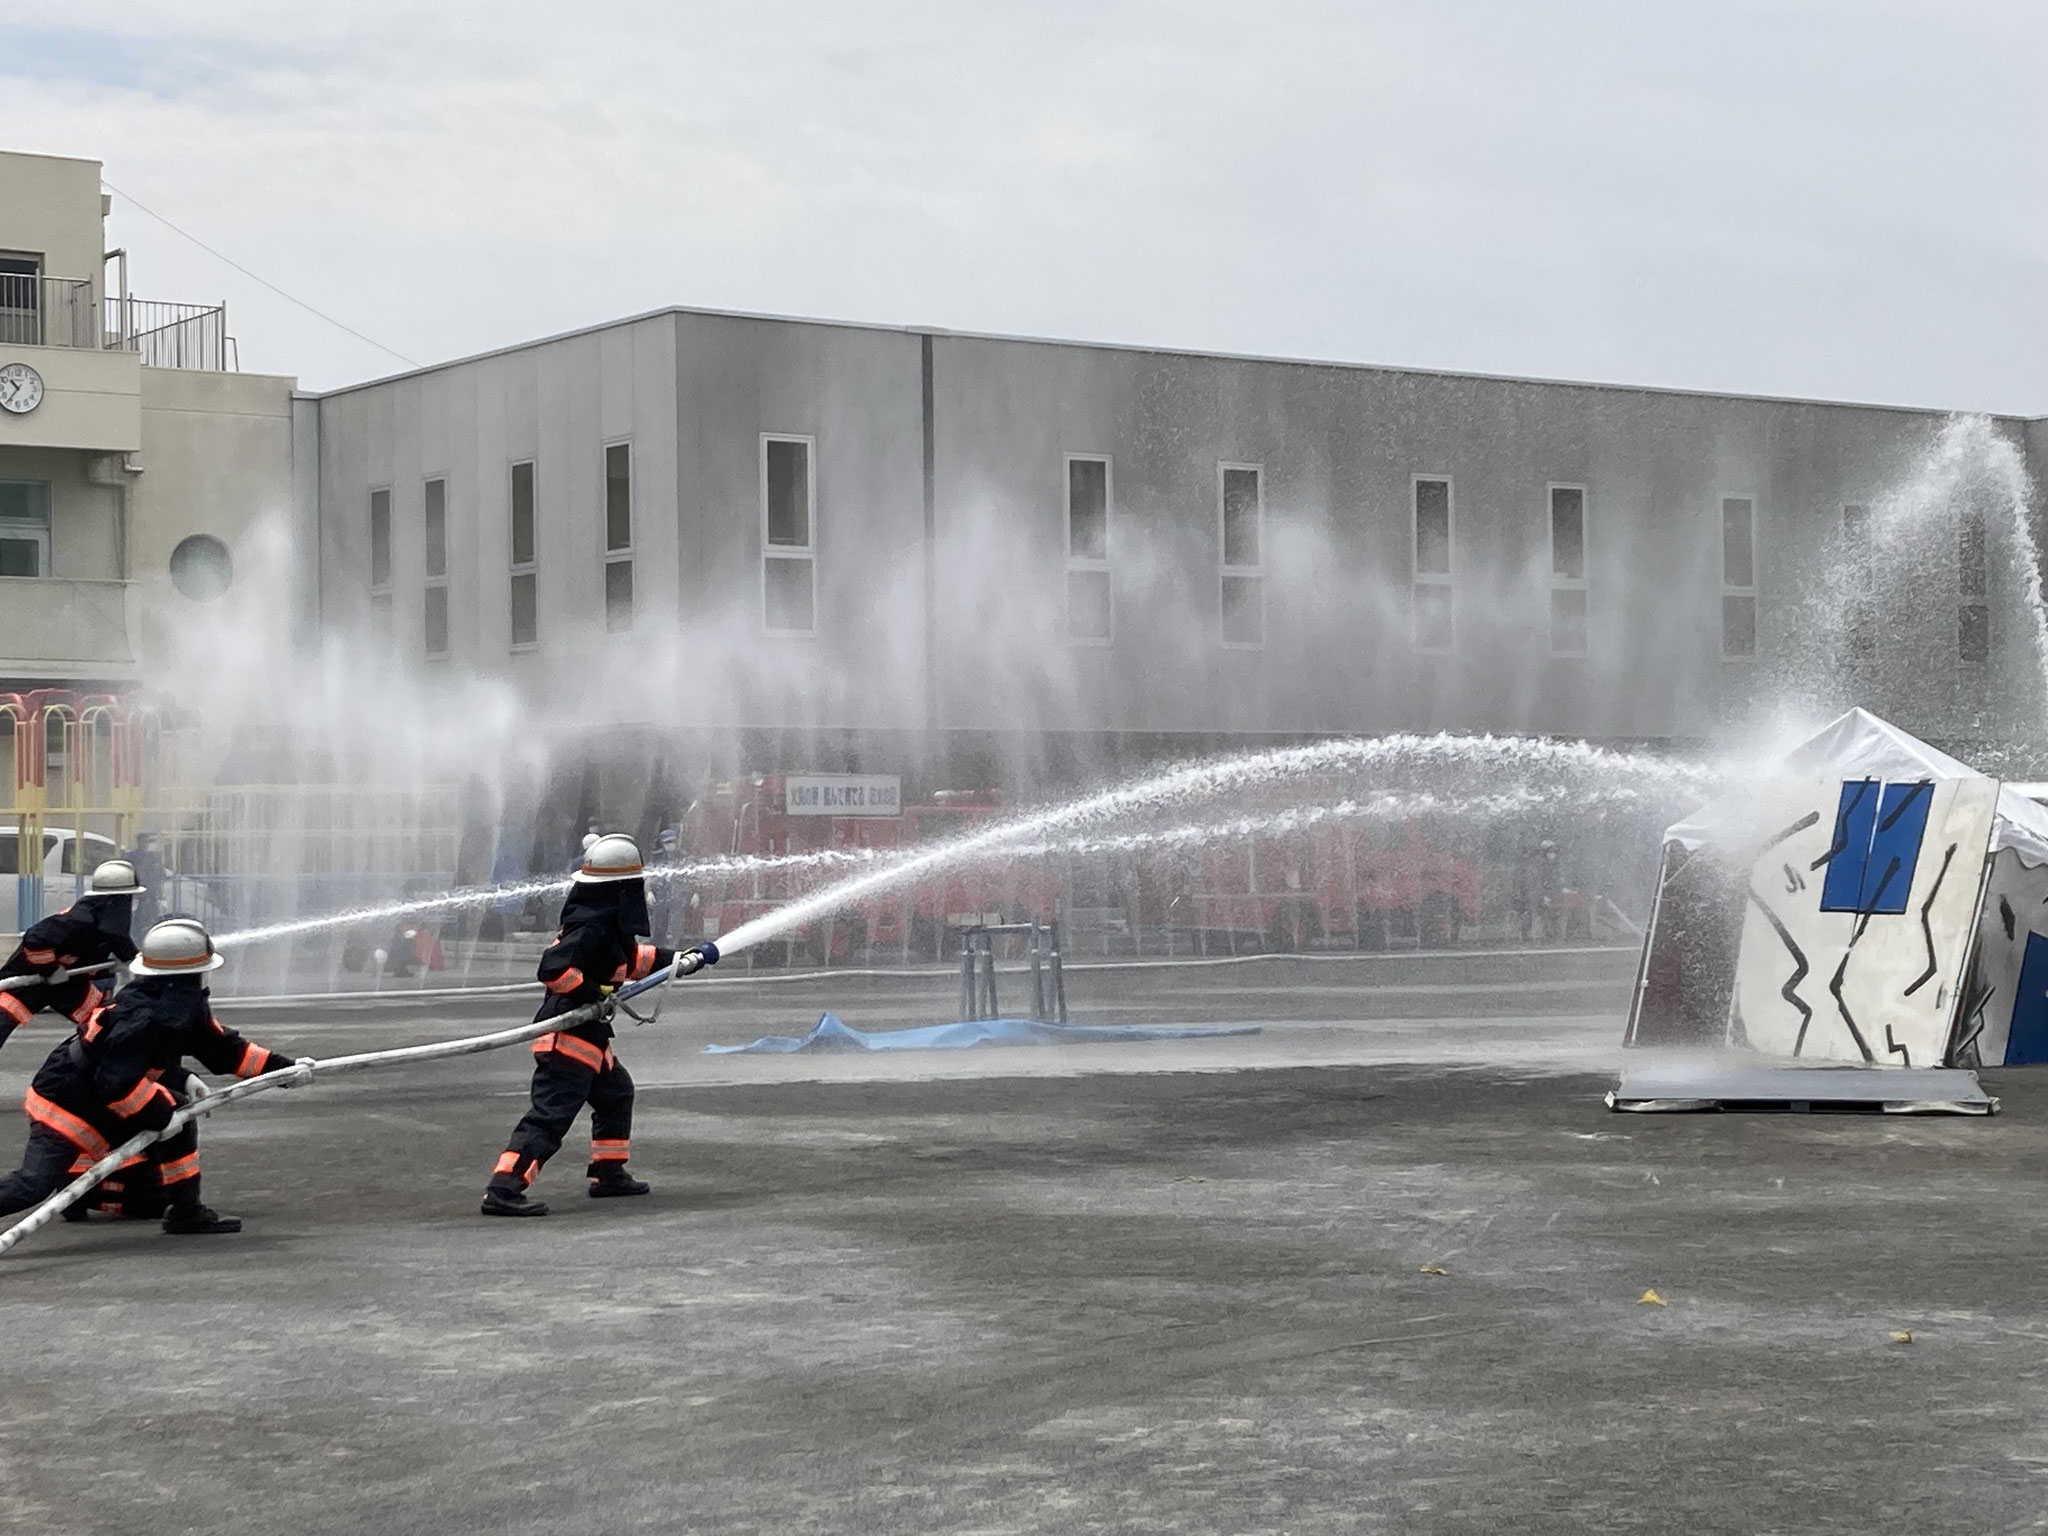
(134, 456)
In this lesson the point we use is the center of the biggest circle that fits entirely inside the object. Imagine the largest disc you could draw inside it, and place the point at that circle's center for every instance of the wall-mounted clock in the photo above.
(21, 389)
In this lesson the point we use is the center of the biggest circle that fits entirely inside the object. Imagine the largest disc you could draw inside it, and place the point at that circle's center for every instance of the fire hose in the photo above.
(687, 963)
(16, 983)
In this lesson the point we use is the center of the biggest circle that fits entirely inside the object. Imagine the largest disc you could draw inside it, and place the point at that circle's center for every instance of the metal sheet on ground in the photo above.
(1721, 1084)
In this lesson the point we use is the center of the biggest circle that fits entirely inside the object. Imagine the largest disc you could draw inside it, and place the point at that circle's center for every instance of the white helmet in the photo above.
(116, 877)
(590, 841)
(178, 946)
(612, 857)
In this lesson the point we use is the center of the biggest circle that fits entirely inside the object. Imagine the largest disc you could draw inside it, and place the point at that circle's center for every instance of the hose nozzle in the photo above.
(690, 961)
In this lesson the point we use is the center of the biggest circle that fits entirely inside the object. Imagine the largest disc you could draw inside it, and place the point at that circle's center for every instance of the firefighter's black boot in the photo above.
(611, 1181)
(511, 1202)
(185, 1220)
(77, 1210)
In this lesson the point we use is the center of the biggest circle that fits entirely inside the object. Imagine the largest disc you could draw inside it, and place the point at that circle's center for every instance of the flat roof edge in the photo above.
(36, 154)
(1266, 359)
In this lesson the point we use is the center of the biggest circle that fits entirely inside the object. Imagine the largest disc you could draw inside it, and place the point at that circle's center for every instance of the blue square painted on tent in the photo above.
(2028, 1039)
(1876, 847)
(1849, 853)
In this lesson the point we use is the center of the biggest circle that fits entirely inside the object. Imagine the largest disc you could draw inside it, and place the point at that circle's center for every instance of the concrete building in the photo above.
(857, 546)
(134, 458)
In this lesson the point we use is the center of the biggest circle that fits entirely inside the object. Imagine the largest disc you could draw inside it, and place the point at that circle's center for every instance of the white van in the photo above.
(60, 869)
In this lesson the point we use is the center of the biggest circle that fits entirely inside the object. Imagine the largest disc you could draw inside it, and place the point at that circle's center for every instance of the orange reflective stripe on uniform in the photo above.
(522, 1167)
(96, 1023)
(643, 961)
(132, 1101)
(59, 1119)
(85, 1011)
(565, 983)
(251, 1064)
(577, 1049)
(15, 1008)
(39, 956)
(179, 1169)
(611, 1150)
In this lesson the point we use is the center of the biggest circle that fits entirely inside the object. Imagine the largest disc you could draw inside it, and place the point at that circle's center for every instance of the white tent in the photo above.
(1869, 901)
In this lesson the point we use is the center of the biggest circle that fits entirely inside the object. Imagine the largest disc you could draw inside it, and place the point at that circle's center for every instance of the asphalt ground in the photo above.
(1178, 1287)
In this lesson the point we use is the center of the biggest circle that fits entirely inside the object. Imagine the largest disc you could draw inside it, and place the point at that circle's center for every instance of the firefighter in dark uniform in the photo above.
(600, 946)
(121, 1073)
(91, 931)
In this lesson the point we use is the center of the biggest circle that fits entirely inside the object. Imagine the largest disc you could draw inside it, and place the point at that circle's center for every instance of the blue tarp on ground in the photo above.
(831, 1034)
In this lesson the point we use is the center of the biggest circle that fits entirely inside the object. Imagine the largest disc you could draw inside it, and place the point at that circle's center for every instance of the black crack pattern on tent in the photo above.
(1923, 787)
(1790, 991)
(1927, 925)
(1891, 871)
(1800, 967)
(1835, 986)
(1863, 787)
(1797, 827)
(2005, 916)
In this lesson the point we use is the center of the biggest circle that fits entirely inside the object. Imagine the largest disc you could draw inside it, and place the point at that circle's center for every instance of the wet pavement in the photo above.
(1183, 1288)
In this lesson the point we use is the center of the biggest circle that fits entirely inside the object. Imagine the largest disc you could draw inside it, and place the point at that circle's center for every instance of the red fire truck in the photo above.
(755, 816)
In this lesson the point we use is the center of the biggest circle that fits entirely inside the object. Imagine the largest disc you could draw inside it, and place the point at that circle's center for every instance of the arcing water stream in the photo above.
(1533, 766)
(1479, 777)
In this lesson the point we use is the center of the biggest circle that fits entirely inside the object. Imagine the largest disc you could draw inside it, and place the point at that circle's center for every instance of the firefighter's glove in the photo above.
(58, 976)
(295, 1073)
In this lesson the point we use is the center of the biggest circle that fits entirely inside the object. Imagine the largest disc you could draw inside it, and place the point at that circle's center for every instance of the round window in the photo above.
(202, 568)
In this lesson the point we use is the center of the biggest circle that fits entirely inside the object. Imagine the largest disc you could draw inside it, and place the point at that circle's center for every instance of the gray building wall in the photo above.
(85, 541)
(556, 404)
(991, 659)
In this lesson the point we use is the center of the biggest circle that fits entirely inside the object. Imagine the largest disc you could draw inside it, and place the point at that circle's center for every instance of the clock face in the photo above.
(21, 388)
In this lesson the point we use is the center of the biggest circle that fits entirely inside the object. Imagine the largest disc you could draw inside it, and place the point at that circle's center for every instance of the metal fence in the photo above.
(40, 311)
(37, 311)
(172, 335)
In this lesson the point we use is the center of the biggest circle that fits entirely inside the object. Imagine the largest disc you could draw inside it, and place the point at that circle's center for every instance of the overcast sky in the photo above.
(1832, 198)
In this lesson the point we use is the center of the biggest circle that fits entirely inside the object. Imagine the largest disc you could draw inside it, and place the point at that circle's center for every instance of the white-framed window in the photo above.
(618, 537)
(1973, 583)
(434, 524)
(1859, 620)
(525, 532)
(24, 527)
(789, 534)
(380, 560)
(1567, 569)
(1241, 528)
(1434, 607)
(1738, 576)
(1091, 498)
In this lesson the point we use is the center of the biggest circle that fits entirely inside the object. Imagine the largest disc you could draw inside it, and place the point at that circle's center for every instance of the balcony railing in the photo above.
(47, 311)
(40, 311)
(172, 335)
